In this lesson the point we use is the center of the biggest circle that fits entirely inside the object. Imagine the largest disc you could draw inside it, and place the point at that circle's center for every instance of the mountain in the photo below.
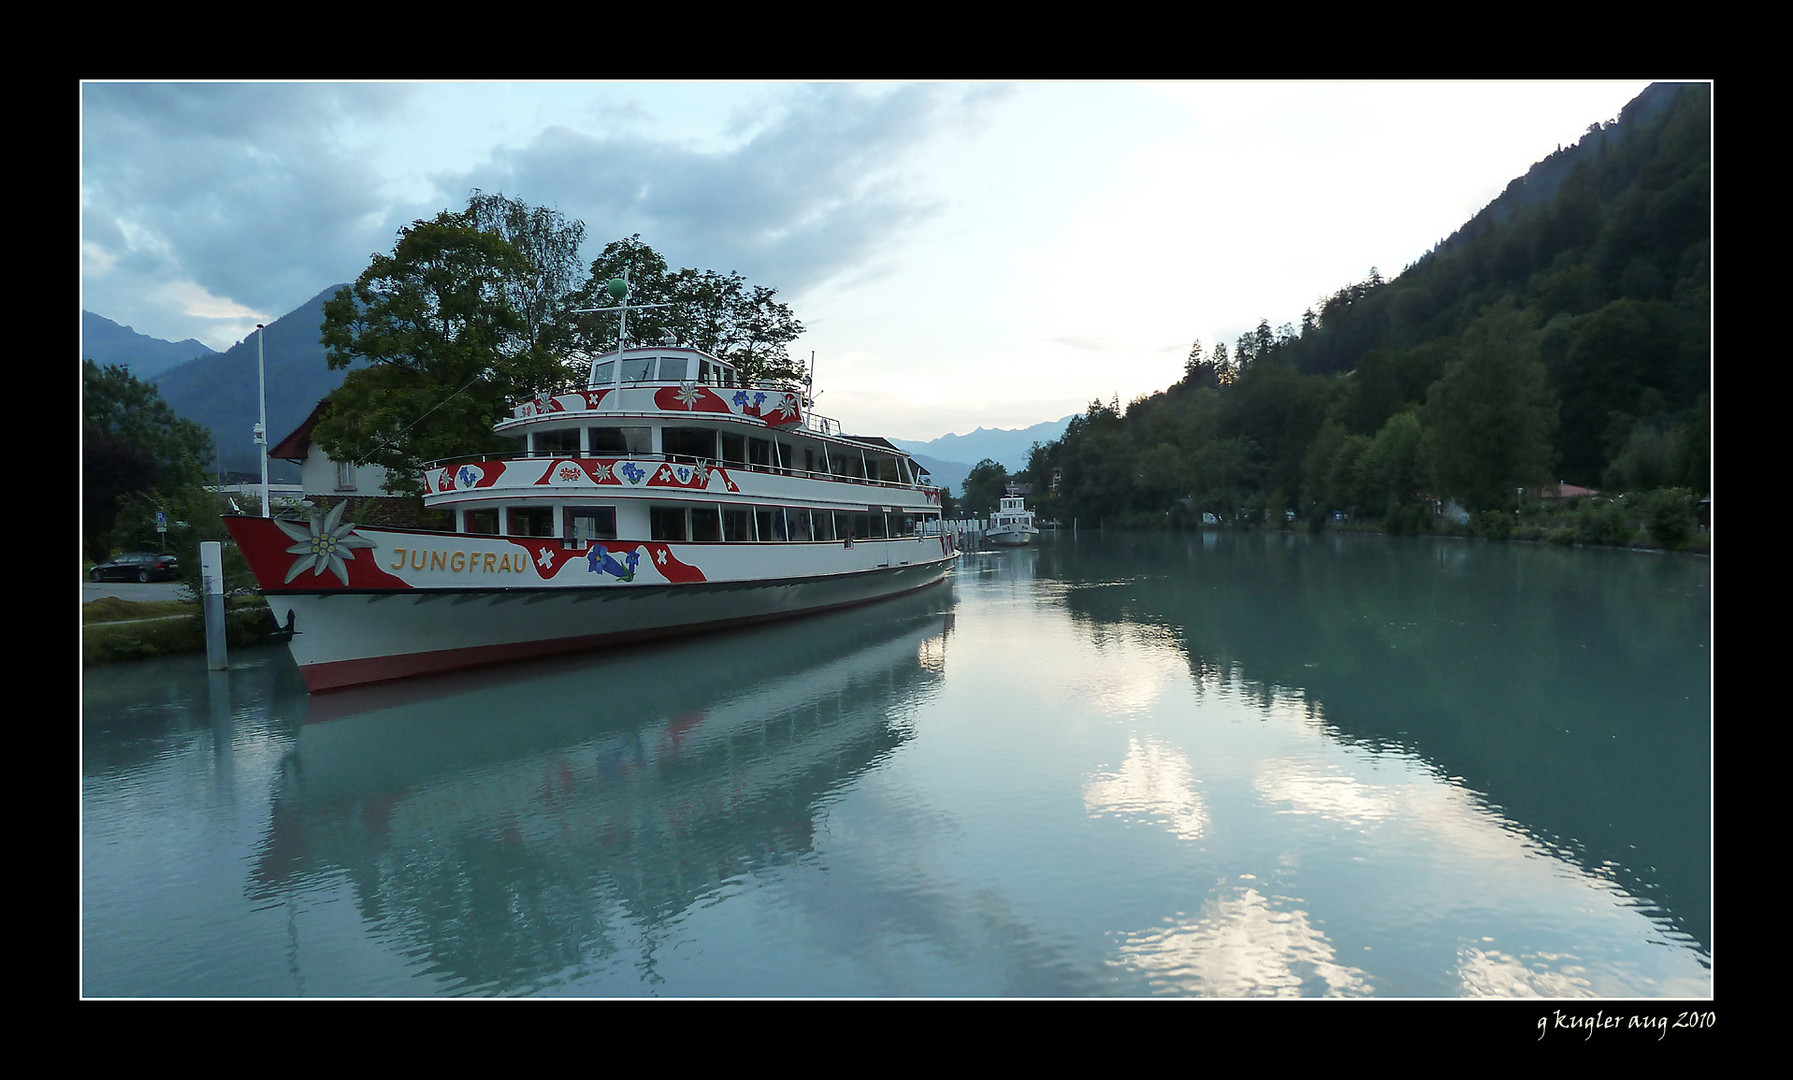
(220, 391)
(1006, 446)
(106, 342)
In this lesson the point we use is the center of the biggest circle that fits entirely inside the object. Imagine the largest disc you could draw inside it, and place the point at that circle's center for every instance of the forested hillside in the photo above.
(1561, 335)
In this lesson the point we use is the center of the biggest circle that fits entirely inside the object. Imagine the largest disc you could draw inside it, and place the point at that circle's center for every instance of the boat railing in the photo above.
(765, 468)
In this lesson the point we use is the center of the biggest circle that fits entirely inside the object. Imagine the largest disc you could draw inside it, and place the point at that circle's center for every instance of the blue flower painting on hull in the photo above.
(599, 560)
(323, 546)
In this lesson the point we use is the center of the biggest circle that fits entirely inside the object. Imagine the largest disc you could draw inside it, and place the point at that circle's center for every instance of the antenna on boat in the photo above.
(618, 288)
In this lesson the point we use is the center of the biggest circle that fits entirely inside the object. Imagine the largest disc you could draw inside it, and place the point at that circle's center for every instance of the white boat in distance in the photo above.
(668, 497)
(1012, 523)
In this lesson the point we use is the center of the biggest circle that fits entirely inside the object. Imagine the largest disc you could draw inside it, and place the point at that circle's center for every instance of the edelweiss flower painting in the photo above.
(324, 545)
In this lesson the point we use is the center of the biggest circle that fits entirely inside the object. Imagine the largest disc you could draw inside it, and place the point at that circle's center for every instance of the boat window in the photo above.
(674, 368)
(688, 442)
(737, 523)
(902, 525)
(638, 369)
(602, 374)
(666, 522)
(530, 521)
(879, 528)
(798, 521)
(823, 521)
(592, 522)
(621, 440)
(771, 523)
(562, 443)
(706, 523)
(480, 522)
(734, 447)
(859, 524)
(759, 452)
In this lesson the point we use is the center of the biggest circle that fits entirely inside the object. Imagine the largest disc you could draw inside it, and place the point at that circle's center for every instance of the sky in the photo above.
(960, 254)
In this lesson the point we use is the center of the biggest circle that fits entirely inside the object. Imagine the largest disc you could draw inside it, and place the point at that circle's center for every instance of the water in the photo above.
(1125, 765)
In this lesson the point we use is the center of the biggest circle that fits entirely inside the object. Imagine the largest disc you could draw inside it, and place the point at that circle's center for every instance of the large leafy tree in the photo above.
(461, 318)
(1488, 422)
(133, 449)
(720, 313)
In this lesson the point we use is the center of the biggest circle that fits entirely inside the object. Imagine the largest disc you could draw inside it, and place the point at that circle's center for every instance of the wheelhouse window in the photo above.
(666, 523)
(674, 368)
(638, 369)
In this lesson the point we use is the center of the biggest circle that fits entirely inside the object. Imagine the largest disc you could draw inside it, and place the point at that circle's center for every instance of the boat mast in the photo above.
(619, 289)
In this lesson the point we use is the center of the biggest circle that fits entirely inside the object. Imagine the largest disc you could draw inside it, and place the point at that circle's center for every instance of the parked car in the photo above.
(138, 566)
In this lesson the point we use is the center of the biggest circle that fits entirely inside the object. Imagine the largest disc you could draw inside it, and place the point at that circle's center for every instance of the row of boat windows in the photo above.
(665, 369)
(700, 522)
(727, 447)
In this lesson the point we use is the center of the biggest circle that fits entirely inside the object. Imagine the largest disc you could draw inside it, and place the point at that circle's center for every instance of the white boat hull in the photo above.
(1009, 538)
(392, 613)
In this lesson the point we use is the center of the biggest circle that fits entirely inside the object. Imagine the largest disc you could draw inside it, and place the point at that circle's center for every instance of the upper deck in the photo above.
(684, 409)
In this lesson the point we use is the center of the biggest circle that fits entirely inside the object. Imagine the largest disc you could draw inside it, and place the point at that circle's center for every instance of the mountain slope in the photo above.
(220, 391)
(106, 342)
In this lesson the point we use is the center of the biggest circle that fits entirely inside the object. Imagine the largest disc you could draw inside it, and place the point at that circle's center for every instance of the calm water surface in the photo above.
(1120, 765)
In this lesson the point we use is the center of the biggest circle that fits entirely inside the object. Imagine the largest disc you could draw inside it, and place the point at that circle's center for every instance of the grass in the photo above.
(113, 629)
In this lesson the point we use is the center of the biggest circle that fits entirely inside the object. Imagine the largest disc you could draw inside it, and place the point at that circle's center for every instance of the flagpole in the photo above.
(261, 429)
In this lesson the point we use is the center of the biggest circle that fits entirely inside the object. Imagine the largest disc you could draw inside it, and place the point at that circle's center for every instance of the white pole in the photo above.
(261, 429)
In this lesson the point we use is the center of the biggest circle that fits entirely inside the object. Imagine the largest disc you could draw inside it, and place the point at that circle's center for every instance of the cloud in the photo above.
(246, 192)
(256, 196)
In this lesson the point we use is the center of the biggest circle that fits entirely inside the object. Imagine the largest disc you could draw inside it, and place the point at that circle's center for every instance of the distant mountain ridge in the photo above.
(219, 390)
(1006, 446)
(107, 343)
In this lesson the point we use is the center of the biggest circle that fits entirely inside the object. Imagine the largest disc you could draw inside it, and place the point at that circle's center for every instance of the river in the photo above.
(1117, 765)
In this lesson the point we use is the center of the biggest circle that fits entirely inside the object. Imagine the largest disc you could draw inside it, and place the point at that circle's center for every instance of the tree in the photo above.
(719, 313)
(132, 444)
(1489, 420)
(452, 326)
(983, 487)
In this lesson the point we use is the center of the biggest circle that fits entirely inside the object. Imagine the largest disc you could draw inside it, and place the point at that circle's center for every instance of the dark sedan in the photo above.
(137, 566)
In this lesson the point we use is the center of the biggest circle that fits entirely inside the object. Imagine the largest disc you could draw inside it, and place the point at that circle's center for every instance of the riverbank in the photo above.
(115, 629)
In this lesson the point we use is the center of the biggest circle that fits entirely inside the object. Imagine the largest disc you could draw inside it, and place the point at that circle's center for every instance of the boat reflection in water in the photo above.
(518, 830)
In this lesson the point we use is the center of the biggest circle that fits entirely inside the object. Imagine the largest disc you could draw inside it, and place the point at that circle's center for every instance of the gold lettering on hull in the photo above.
(458, 562)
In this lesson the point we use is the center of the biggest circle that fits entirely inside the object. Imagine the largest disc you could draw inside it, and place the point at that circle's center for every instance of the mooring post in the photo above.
(211, 584)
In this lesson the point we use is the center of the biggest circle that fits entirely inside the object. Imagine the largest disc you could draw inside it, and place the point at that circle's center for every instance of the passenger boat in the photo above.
(668, 497)
(1012, 523)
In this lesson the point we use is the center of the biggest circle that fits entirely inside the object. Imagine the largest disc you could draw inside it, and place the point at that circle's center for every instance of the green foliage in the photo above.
(983, 487)
(478, 308)
(1489, 420)
(719, 313)
(1669, 517)
(1602, 521)
(445, 325)
(135, 452)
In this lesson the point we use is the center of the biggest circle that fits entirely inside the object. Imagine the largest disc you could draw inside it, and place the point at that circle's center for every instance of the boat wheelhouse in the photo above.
(669, 496)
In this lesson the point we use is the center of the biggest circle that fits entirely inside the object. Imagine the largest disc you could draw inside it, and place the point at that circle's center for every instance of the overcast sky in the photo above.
(960, 254)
